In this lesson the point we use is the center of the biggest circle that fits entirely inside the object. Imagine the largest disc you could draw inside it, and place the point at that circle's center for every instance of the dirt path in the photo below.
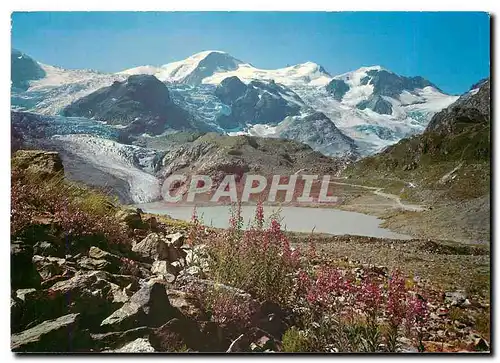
(378, 191)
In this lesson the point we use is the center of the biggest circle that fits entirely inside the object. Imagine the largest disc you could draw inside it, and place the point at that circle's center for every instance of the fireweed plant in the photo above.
(334, 309)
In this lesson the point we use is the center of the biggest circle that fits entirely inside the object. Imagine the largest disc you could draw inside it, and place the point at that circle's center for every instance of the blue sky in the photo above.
(452, 50)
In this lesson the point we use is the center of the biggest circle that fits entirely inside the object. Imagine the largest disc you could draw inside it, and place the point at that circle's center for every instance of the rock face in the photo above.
(471, 108)
(149, 306)
(206, 87)
(58, 335)
(93, 294)
(24, 69)
(42, 163)
(49, 266)
(211, 63)
(230, 89)
(319, 132)
(23, 273)
(377, 104)
(142, 103)
(255, 103)
(140, 345)
(218, 155)
(459, 134)
(338, 88)
(152, 248)
(389, 84)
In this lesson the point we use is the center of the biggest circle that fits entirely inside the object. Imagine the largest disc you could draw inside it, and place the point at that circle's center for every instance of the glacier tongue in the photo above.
(131, 164)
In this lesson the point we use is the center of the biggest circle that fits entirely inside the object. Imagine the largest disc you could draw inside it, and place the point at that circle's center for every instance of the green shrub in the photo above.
(295, 341)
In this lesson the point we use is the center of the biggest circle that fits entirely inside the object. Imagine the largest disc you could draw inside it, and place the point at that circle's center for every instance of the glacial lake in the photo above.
(295, 219)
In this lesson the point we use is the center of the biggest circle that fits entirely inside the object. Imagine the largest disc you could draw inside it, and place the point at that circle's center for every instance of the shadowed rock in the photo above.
(149, 306)
(23, 273)
(59, 335)
(142, 103)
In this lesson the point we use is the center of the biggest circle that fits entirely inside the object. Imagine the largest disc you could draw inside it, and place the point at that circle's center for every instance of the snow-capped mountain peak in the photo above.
(377, 68)
(371, 105)
(303, 74)
(149, 70)
(213, 66)
(375, 84)
(311, 67)
(205, 53)
(354, 77)
(191, 70)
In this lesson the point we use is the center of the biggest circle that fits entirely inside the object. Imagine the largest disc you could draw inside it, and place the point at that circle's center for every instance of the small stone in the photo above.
(140, 345)
(193, 271)
(442, 311)
(149, 306)
(151, 222)
(481, 344)
(130, 289)
(49, 266)
(21, 293)
(177, 266)
(254, 347)
(152, 248)
(44, 248)
(87, 263)
(454, 298)
(162, 268)
(177, 239)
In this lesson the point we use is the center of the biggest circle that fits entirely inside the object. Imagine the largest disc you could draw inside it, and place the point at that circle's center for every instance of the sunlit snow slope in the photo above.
(371, 106)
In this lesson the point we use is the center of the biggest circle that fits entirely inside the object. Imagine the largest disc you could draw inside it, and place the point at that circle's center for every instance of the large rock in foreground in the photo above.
(140, 345)
(93, 294)
(23, 273)
(149, 306)
(58, 335)
(42, 163)
(156, 247)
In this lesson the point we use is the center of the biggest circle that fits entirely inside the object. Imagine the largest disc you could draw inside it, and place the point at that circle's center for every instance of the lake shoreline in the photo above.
(299, 219)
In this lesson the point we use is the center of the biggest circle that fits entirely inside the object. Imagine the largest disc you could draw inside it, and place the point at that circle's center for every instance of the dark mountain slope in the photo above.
(24, 69)
(255, 103)
(458, 134)
(141, 103)
(447, 168)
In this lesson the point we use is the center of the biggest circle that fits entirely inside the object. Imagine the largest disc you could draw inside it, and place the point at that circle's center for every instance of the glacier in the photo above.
(192, 82)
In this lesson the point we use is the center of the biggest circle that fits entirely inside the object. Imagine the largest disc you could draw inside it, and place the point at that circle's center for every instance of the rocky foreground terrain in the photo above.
(89, 276)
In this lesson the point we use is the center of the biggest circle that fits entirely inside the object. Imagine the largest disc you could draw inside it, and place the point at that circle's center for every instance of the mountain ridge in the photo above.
(373, 119)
